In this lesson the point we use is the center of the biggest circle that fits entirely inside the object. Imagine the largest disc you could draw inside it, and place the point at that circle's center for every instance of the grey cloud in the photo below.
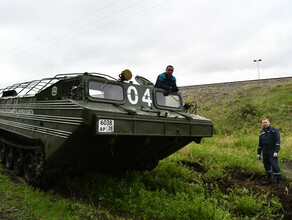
(204, 40)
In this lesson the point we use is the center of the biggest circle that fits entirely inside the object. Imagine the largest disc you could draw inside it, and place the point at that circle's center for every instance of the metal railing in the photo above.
(33, 87)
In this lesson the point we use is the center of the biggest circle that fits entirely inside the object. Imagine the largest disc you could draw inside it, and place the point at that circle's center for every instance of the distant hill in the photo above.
(240, 106)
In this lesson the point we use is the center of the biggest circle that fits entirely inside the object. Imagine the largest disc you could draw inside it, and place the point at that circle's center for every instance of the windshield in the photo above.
(168, 100)
(104, 90)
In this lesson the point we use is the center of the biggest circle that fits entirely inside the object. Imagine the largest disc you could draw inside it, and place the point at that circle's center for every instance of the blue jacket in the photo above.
(164, 83)
(269, 141)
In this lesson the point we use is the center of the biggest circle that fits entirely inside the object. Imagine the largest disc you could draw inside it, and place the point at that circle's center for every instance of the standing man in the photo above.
(166, 80)
(269, 142)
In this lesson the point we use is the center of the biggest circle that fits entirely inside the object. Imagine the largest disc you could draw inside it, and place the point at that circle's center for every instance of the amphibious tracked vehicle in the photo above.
(92, 121)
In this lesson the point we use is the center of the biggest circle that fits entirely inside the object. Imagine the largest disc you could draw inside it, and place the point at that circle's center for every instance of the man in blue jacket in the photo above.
(166, 80)
(269, 142)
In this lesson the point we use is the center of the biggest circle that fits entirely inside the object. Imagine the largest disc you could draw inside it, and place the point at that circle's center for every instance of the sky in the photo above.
(206, 41)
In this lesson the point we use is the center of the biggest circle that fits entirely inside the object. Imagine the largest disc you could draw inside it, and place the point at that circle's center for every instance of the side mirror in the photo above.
(191, 107)
(76, 92)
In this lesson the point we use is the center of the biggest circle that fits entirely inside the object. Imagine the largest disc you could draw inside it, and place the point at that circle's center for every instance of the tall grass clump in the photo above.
(168, 192)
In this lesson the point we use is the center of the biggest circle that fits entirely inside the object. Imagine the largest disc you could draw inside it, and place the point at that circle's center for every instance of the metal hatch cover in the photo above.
(143, 81)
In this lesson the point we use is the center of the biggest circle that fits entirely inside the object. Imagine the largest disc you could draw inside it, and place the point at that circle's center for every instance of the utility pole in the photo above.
(257, 61)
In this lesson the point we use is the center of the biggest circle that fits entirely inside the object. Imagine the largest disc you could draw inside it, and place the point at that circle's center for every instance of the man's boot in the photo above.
(279, 183)
(269, 182)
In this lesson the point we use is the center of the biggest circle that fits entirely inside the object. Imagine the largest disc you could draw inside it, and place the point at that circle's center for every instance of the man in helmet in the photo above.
(166, 80)
(269, 142)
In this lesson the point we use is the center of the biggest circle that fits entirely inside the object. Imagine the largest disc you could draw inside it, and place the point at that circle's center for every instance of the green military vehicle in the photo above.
(91, 121)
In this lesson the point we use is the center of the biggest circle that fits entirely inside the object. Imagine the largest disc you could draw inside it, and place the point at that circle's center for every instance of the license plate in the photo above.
(106, 126)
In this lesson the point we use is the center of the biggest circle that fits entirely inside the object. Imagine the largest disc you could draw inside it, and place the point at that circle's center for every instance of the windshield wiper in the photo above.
(103, 84)
(184, 114)
(129, 111)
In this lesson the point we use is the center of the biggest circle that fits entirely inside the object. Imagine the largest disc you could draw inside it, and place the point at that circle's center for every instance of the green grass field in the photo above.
(217, 179)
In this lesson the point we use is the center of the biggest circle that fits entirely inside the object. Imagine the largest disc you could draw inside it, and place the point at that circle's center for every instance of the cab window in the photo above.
(167, 100)
(105, 90)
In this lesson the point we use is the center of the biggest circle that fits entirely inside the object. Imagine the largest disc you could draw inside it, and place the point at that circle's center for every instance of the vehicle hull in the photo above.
(90, 122)
(70, 137)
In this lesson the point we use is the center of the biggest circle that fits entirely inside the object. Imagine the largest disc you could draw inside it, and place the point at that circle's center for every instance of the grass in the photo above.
(175, 191)
(10, 200)
(21, 201)
(212, 180)
(241, 111)
(171, 191)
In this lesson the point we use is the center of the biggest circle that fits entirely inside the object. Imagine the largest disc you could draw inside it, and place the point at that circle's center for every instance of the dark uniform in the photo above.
(269, 142)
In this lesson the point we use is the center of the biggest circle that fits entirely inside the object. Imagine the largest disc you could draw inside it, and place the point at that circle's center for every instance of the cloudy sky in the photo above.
(205, 41)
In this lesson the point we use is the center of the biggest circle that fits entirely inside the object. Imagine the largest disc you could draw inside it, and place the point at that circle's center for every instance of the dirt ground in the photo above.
(254, 182)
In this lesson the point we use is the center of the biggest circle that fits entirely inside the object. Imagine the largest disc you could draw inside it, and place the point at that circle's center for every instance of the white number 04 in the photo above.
(146, 97)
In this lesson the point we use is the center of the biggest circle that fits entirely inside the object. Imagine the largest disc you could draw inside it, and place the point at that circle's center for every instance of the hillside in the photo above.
(221, 178)
(240, 106)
